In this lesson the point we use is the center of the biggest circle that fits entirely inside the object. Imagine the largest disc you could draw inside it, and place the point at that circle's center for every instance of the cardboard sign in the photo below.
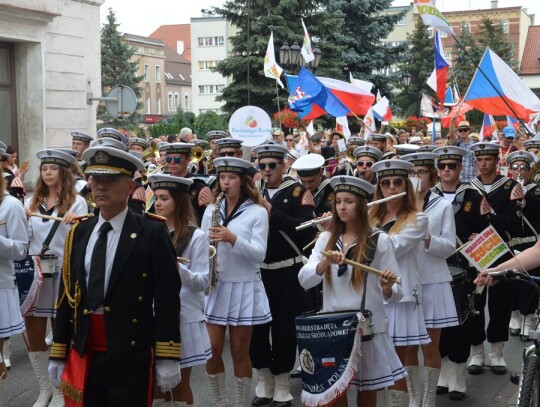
(485, 248)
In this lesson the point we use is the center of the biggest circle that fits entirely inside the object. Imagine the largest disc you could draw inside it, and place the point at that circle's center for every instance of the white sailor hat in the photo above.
(3, 146)
(308, 164)
(169, 182)
(356, 141)
(427, 148)
(377, 137)
(215, 134)
(485, 148)
(450, 153)
(388, 155)
(200, 143)
(228, 142)
(389, 168)
(67, 150)
(135, 141)
(3, 154)
(420, 158)
(232, 164)
(415, 139)
(136, 154)
(354, 185)
(162, 146)
(293, 154)
(108, 142)
(112, 133)
(532, 143)
(79, 135)
(109, 161)
(521, 155)
(178, 148)
(53, 156)
(403, 149)
(368, 151)
(270, 151)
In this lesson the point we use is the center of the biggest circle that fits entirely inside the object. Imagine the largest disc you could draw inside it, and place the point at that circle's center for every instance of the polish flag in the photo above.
(382, 108)
(328, 362)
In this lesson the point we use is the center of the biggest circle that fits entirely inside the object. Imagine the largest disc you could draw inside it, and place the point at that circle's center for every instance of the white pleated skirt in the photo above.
(44, 306)
(379, 365)
(439, 305)
(196, 347)
(11, 320)
(406, 324)
(235, 304)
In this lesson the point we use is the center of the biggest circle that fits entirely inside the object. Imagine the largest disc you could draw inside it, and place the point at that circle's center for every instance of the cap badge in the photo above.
(101, 157)
(445, 150)
(387, 164)
(482, 146)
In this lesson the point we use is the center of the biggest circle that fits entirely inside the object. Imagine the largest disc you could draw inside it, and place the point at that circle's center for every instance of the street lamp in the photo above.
(407, 77)
(292, 56)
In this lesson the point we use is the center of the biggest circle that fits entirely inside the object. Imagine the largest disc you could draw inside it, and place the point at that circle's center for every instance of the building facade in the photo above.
(177, 82)
(50, 57)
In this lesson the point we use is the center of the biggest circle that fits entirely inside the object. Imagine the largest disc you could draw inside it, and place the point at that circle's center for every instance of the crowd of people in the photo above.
(142, 253)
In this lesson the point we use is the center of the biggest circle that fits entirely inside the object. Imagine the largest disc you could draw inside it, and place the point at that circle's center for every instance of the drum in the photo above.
(462, 297)
(28, 280)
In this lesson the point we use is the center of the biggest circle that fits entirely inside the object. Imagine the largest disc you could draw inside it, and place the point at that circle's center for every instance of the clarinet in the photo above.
(213, 261)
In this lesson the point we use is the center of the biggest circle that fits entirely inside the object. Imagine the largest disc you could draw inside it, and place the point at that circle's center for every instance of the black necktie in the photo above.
(96, 280)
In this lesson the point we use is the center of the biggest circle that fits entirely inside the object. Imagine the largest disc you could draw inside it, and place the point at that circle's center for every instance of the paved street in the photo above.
(484, 390)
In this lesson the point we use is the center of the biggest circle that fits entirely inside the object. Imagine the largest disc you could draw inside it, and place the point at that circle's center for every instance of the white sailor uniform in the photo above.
(379, 365)
(38, 230)
(437, 298)
(13, 246)
(407, 326)
(239, 297)
(196, 347)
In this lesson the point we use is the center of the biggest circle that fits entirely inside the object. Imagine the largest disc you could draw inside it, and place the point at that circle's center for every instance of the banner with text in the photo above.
(485, 248)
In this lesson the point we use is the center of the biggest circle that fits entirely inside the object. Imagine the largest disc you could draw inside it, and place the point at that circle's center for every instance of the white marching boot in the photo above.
(496, 359)
(515, 323)
(242, 386)
(457, 384)
(39, 361)
(7, 353)
(398, 398)
(529, 324)
(57, 399)
(413, 385)
(476, 363)
(431, 377)
(444, 376)
(282, 393)
(49, 338)
(217, 384)
(264, 391)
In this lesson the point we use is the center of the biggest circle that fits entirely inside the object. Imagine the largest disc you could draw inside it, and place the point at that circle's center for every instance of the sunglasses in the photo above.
(522, 167)
(463, 130)
(227, 154)
(364, 164)
(398, 182)
(169, 160)
(417, 173)
(451, 166)
(271, 166)
(289, 139)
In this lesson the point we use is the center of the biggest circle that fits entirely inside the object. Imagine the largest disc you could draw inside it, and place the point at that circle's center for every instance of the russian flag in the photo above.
(510, 121)
(482, 96)
(488, 126)
(441, 68)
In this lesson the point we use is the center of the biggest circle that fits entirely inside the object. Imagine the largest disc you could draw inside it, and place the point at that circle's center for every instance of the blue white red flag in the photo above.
(488, 126)
(382, 109)
(512, 122)
(441, 68)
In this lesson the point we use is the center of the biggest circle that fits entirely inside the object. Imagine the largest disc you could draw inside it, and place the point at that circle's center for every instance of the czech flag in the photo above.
(482, 95)
(488, 126)
(441, 68)
(510, 121)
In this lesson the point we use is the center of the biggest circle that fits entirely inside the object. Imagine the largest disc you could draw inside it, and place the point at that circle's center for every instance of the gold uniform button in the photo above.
(134, 321)
(133, 343)
(85, 312)
(144, 275)
(107, 309)
(140, 298)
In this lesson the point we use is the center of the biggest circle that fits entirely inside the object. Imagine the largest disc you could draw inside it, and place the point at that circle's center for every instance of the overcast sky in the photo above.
(142, 17)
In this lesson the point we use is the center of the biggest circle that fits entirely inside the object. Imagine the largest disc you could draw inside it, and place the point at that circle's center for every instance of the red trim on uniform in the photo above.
(97, 340)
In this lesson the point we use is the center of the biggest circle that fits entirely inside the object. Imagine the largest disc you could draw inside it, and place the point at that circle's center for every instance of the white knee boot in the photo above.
(39, 361)
(282, 392)
(476, 363)
(398, 398)
(431, 377)
(264, 391)
(529, 324)
(57, 399)
(457, 384)
(242, 387)
(413, 385)
(217, 384)
(515, 323)
(7, 353)
(498, 365)
(444, 376)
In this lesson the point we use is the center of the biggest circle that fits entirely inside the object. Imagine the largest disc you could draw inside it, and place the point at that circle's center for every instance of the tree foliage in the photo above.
(117, 69)
(463, 67)
(494, 37)
(208, 121)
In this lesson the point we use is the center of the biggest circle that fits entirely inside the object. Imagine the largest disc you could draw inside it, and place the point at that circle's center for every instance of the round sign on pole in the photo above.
(126, 104)
(251, 124)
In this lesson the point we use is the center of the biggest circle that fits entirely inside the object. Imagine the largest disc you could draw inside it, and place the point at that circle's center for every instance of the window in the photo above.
(466, 26)
(148, 108)
(211, 89)
(158, 74)
(146, 73)
(505, 26)
(186, 102)
(211, 41)
(158, 106)
(206, 65)
(403, 20)
(170, 102)
(176, 101)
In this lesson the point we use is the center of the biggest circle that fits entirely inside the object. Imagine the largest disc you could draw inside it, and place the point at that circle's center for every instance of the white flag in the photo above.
(271, 68)
(364, 85)
(307, 52)
(369, 123)
(310, 129)
(344, 124)
(432, 80)
(426, 106)
(379, 97)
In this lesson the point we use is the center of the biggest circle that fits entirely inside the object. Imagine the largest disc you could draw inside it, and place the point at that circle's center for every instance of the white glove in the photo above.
(55, 369)
(167, 374)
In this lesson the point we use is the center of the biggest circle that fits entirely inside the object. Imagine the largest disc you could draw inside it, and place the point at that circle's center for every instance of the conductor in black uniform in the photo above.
(119, 301)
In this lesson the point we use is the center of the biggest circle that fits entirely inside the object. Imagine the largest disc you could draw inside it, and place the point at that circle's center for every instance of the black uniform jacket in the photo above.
(141, 303)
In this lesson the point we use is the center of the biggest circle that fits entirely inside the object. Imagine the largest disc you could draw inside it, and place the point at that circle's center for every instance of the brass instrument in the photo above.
(152, 151)
(215, 222)
(209, 164)
(145, 174)
(89, 198)
(349, 154)
(197, 155)
(534, 174)
(263, 184)
(185, 260)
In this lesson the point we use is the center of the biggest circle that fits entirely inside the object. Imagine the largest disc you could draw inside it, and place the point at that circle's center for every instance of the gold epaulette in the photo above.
(58, 351)
(168, 350)
(155, 217)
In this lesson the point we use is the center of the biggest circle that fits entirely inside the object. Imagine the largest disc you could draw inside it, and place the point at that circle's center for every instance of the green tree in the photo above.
(255, 19)
(364, 53)
(208, 121)
(463, 67)
(117, 69)
(418, 62)
(494, 37)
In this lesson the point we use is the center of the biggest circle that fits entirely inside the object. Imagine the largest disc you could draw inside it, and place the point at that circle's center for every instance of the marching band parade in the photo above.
(359, 264)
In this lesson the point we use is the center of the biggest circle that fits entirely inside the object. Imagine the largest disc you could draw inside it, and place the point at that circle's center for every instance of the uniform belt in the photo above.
(282, 264)
(521, 240)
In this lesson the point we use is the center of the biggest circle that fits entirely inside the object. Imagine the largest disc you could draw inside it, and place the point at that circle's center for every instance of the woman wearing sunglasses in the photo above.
(343, 285)
(238, 299)
(173, 202)
(365, 157)
(437, 297)
(406, 227)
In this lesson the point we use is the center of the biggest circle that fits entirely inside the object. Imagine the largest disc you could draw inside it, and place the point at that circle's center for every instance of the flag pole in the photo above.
(278, 106)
